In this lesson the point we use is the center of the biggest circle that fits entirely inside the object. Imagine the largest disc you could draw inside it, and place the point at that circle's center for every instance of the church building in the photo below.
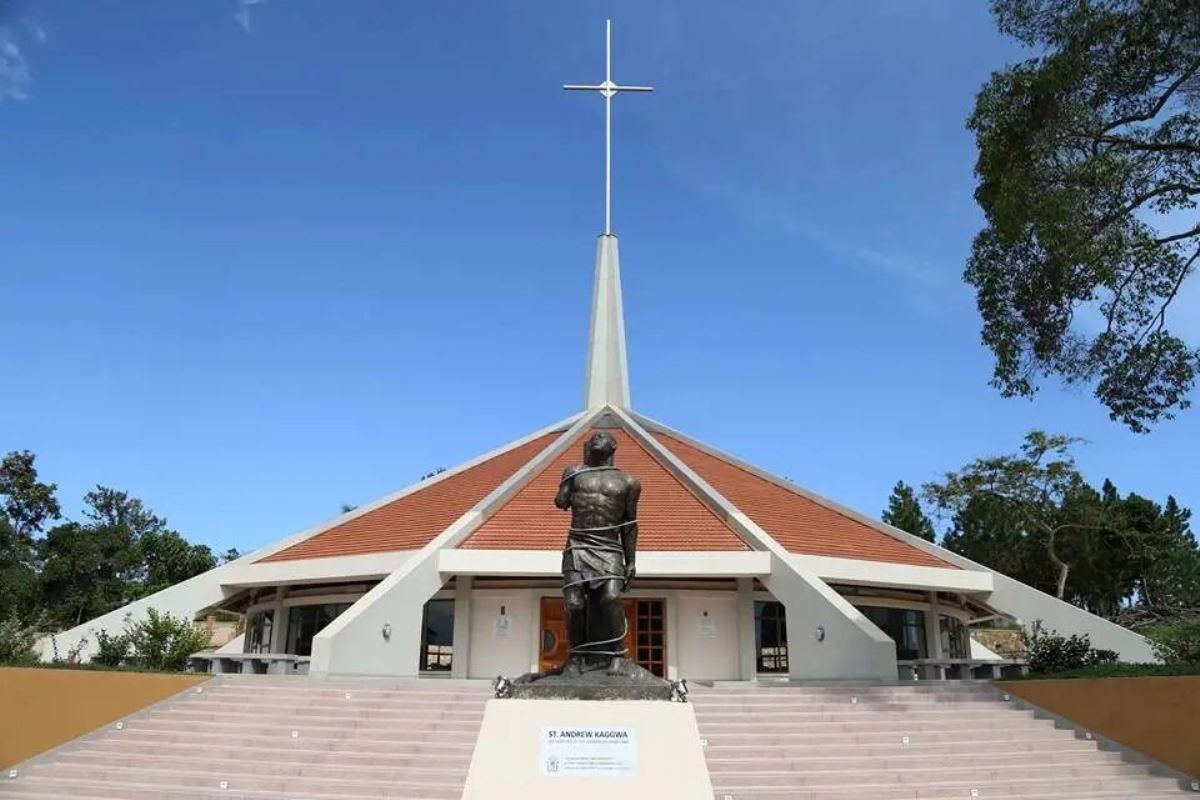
(741, 575)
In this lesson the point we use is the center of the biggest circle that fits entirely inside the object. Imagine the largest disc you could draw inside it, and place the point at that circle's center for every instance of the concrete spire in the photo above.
(607, 380)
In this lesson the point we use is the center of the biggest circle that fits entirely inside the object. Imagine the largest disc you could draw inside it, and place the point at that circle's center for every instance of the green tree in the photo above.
(1163, 559)
(990, 531)
(904, 512)
(168, 559)
(1036, 483)
(87, 570)
(1089, 176)
(91, 567)
(27, 505)
(1173, 580)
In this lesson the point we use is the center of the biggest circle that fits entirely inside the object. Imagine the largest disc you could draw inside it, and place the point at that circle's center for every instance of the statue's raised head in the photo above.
(599, 448)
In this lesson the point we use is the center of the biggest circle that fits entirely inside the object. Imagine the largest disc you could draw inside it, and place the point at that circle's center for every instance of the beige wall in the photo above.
(511, 655)
(708, 645)
(1154, 716)
(43, 708)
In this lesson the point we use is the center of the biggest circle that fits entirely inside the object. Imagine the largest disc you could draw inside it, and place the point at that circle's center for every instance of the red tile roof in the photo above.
(799, 524)
(412, 521)
(670, 517)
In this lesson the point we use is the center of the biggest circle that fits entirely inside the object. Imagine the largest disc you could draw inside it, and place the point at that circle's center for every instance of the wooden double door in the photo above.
(646, 639)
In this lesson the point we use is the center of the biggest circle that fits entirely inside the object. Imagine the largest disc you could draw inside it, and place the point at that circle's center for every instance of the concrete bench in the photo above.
(257, 663)
(940, 669)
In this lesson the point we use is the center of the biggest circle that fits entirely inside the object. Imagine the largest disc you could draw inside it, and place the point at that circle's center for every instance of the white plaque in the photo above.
(589, 751)
(708, 628)
(503, 626)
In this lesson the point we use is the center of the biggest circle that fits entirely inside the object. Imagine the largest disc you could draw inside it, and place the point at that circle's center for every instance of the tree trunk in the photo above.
(1063, 567)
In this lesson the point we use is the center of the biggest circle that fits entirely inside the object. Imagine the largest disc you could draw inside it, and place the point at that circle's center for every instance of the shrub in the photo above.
(1050, 652)
(1176, 641)
(111, 651)
(18, 642)
(163, 642)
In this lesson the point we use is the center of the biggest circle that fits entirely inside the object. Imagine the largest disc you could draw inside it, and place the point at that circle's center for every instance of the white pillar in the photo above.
(672, 633)
(933, 636)
(279, 622)
(747, 651)
(461, 642)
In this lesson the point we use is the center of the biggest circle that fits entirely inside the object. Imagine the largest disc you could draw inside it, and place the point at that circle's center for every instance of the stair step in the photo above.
(413, 739)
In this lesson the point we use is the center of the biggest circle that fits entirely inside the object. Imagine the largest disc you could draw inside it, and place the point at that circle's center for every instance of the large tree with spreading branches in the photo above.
(1089, 176)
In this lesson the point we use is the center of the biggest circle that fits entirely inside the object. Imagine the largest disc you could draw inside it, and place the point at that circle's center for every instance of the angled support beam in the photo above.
(828, 638)
(381, 633)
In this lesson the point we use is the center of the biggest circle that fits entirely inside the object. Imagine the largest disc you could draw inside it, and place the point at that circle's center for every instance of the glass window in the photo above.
(956, 639)
(305, 622)
(770, 636)
(437, 645)
(905, 626)
(258, 631)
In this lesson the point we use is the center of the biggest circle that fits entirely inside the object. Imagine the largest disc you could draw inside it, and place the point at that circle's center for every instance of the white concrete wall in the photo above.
(1027, 605)
(851, 647)
(708, 645)
(381, 633)
(492, 654)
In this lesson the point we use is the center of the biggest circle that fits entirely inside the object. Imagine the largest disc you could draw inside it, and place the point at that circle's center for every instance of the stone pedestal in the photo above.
(595, 682)
(587, 750)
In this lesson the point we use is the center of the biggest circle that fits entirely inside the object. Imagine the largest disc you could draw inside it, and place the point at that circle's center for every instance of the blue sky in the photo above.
(251, 272)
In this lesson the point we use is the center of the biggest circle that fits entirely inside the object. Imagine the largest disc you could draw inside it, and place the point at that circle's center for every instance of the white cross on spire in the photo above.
(608, 89)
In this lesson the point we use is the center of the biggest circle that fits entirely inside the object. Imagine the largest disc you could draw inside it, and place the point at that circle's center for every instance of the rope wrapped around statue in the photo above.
(599, 562)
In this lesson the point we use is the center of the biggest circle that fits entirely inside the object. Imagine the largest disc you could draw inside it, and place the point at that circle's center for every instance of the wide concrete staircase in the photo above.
(275, 737)
(921, 742)
(282, 738)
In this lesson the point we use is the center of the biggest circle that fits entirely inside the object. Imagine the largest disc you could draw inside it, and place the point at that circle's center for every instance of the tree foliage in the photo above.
(1031, 516)
(28, 505)
(118, 551)
(904, 512)
(18, 641)
(1089, 176)
(1049, 652)
(1040, 483)
(1177, 641)
(163, 642)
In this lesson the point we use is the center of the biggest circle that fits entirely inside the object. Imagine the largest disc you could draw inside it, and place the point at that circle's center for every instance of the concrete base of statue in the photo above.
(592, 681)
(587, 750)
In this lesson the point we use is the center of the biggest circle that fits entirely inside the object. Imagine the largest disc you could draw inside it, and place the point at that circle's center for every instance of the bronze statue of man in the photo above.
(600, 558)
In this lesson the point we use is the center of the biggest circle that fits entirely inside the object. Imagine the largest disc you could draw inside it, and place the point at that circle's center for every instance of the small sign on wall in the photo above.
(588, 751)
(502, 627)
(707, 627)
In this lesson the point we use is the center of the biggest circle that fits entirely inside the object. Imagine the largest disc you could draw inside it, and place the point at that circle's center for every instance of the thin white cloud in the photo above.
(242, 13)
(923, 284)
(15, 77)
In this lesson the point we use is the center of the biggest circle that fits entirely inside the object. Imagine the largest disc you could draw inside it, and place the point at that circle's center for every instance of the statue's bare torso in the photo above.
(599, 499)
